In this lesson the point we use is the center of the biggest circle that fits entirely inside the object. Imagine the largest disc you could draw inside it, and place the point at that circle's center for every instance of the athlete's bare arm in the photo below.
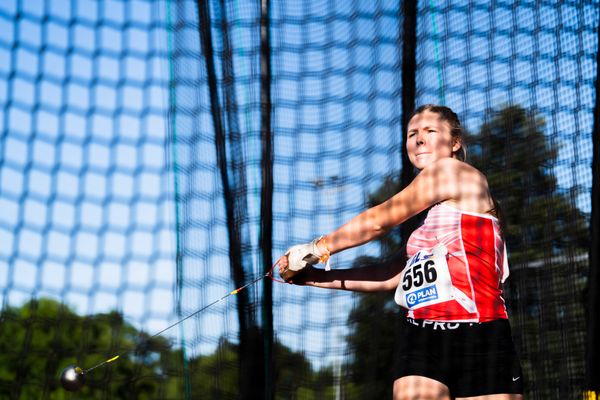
(447, 179)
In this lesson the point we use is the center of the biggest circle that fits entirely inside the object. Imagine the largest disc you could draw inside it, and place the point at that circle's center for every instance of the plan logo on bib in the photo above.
(421, 296)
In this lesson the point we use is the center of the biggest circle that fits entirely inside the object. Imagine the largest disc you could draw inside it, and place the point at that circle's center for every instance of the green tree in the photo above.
(41, 337)
(547, 239)
(215, 376)
(374, 334)
(519, 161)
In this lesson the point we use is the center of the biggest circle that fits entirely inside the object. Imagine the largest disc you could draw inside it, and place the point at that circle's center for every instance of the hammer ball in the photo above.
(72, 378)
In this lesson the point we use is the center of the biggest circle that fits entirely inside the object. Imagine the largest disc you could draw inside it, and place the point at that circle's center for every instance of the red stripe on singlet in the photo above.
(479, 241)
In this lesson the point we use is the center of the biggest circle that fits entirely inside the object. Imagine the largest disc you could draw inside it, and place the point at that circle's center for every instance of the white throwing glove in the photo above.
(303, 255)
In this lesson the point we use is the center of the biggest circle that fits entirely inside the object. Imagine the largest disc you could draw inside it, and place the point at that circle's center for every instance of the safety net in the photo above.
(157, 158)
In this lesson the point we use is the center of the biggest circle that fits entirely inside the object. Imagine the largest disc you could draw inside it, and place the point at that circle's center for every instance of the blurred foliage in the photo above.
(40, 338)
(520, 163)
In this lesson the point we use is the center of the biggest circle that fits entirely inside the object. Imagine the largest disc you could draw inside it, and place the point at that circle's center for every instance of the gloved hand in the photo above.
(301, 256)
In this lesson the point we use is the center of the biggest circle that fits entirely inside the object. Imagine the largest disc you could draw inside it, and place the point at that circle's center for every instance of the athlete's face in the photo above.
(429, 139)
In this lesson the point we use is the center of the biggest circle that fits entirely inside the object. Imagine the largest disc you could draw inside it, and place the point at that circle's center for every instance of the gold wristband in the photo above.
(323, 241)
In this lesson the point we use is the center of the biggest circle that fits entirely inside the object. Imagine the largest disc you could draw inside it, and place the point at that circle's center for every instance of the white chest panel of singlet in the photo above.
(425, 280)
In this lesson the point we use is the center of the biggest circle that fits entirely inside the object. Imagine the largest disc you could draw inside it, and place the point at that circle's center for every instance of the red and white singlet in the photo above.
(457, 264)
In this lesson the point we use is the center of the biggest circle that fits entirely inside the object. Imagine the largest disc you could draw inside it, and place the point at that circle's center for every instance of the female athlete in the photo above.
(456, 341)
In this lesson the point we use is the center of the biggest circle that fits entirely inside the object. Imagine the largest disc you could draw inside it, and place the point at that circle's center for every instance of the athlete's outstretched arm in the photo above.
(370, 278)
(445, 179)
(435, 183)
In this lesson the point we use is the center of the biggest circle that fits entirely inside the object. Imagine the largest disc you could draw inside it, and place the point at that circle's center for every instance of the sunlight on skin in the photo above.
(494, 397)
(421, 388)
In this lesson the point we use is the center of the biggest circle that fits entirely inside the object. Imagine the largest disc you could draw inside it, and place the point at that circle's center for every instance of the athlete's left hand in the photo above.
(299, 257)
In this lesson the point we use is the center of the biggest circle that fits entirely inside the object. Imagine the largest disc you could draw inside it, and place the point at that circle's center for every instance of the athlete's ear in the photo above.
(456, 144)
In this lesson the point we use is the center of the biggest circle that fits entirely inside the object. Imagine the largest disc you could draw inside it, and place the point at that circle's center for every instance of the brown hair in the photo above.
(456, 130)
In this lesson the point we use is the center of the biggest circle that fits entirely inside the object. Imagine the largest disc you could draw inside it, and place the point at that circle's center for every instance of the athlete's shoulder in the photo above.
(452, 163)
(459, 181)
(453, 167)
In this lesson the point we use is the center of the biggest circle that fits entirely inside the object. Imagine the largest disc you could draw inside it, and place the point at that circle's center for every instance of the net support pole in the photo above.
(247, 335)
(187, 380)
(266, 201)
(593, 333)
(409, 67)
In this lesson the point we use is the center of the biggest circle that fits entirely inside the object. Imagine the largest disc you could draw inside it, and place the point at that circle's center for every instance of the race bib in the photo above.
(425, 280)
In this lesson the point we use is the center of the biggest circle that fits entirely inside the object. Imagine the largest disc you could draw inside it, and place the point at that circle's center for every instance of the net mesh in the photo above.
(117, 221)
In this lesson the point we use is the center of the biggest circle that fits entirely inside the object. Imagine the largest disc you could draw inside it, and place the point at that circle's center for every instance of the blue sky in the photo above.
(87, 198)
